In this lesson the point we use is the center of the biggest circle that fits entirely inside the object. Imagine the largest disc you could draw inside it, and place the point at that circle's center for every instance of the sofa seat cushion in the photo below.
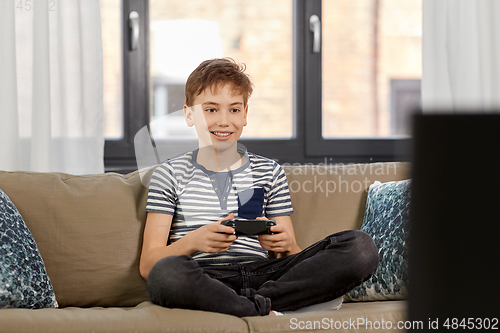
(145, 317)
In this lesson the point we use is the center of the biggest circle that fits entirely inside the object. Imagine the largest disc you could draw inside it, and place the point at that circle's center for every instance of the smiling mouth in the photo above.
(222, 134)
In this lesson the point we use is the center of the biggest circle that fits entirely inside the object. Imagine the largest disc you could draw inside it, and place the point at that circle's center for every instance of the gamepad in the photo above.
(250, 227)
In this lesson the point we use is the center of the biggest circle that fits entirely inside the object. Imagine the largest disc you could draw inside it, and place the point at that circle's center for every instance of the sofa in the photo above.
(88, 230)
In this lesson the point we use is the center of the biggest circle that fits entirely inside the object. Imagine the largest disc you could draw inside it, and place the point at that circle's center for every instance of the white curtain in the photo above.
(51, 86)
(461, 56)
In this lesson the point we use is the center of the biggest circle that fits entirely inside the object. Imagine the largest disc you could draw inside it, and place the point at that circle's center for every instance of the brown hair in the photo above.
(216, 73)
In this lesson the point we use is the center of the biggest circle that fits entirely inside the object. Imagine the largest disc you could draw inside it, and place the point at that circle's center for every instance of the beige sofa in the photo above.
(89, 232)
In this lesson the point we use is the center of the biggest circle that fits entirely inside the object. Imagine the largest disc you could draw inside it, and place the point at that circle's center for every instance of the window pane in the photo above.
(253, 32)
(371, 66)
(111, 44)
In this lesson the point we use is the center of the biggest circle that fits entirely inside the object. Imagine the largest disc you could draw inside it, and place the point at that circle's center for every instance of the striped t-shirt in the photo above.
(196, 196)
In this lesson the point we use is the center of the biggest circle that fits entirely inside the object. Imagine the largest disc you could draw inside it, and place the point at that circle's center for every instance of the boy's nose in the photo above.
(222, 119)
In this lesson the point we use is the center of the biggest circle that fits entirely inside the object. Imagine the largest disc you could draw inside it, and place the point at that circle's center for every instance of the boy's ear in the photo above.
(246, 113)
(188, 114)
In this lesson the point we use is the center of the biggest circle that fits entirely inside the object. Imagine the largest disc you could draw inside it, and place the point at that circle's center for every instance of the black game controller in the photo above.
(250, 227)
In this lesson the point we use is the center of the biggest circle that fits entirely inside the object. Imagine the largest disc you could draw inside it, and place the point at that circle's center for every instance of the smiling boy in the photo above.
(192, 261)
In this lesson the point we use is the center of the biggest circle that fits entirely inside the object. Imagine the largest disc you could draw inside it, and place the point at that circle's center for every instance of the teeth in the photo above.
(221, 134)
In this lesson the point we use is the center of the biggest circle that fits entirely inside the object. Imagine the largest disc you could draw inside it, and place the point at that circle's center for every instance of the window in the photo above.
(130, 103)
(112, 54)
(367, 45)
(183, 34)
(349, 102)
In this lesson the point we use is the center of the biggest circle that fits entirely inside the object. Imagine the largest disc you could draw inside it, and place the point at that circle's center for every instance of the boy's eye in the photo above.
(235, 110)
(211, 110)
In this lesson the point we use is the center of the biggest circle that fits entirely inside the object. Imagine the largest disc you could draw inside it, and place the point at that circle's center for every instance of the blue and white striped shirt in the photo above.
(185, 189)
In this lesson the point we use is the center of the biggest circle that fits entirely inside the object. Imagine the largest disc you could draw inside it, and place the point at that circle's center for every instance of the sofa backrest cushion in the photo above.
(331, 198)
(88, 230)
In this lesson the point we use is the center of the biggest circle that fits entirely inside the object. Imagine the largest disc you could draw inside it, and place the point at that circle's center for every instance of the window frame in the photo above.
(119, 154)
(354, 150)
(307, 144)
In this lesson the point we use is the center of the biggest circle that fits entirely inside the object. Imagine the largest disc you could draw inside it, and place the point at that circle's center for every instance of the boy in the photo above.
(192, 261)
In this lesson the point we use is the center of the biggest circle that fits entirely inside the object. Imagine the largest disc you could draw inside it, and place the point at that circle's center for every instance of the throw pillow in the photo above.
(386, 220)
(24, 282)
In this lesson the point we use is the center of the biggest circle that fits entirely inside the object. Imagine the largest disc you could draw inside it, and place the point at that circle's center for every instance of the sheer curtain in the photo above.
(51, 87)
(461, 55)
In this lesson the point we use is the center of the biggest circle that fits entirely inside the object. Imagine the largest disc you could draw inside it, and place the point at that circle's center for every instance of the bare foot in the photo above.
(271, 313)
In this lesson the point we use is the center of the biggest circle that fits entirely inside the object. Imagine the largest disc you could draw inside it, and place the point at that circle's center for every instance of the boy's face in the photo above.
(218, 116)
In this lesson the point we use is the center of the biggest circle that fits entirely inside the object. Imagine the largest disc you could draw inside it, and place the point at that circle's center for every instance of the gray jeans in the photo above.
(322, 272)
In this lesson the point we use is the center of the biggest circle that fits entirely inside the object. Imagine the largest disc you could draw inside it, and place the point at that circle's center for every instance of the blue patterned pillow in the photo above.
(386, 220)
(24, 282)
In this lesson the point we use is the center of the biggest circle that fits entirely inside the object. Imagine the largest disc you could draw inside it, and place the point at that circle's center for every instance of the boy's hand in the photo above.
(282, 241)
(213, 237)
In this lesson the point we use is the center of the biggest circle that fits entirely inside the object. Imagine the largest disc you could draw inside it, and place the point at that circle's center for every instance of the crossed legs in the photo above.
(324, 271)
